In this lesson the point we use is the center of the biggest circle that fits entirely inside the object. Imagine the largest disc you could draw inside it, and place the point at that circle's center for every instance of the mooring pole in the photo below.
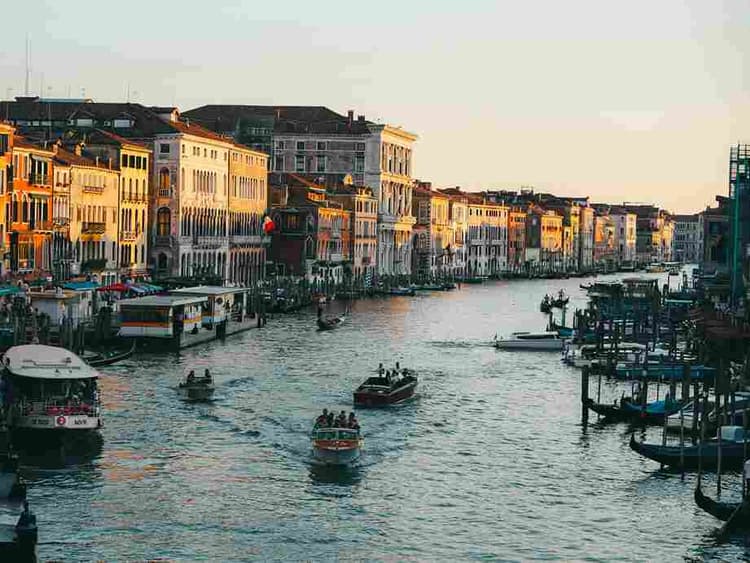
(585, 395)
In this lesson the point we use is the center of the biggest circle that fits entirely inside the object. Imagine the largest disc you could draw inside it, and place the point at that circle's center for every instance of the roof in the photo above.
(161, 301)
(65, 156)
(20, 142)
(209, 290)
(285, 119)
(61, 116)
(103, 137)
(46, 362)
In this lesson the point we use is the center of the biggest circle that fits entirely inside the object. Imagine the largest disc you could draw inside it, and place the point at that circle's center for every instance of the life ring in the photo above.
(61, 420)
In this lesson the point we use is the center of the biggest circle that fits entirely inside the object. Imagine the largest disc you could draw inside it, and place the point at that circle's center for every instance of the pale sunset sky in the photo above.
(634, 101)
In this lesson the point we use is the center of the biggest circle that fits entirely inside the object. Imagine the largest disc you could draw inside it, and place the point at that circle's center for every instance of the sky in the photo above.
(621, 101)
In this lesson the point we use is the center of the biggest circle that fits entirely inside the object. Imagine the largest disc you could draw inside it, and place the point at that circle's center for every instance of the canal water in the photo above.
(489, 462)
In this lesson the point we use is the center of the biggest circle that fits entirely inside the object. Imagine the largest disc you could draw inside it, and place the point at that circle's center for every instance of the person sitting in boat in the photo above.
(191, 376)
(341, 420)
(387, 377)
(322, 420)
(207, 376)
(353, 423)
(397, 371)
(381, 370)
(27, 518)
(329, 421)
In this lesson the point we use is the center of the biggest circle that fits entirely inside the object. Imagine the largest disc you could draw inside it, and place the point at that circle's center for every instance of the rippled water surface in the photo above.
(489, 462)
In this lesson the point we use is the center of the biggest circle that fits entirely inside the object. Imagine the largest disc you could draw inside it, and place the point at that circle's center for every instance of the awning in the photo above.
(121, 287)
(81, 285)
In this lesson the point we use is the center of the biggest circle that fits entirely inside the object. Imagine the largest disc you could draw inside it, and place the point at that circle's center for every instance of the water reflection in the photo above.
(344, 476)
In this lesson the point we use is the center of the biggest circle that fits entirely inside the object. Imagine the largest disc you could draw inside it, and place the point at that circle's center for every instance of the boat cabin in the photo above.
(160, 316)
(221, 303)
(536, 335)
(61, 304)
(335, 434)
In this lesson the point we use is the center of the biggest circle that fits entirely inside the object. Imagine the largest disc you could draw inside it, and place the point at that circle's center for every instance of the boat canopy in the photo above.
(46, 362)
(732, 433)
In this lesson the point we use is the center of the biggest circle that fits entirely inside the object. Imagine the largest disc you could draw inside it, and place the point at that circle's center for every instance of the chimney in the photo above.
(187, 122)
(109, 163)
(96, 160)
(361, 118)
(350, 116)
(78, 148)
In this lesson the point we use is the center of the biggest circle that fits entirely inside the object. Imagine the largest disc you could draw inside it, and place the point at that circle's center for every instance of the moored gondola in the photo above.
(721, 510)
(628, 410)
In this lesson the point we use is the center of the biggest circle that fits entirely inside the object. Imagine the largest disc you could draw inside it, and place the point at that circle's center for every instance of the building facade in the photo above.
(7, 134)
(688, 239)
(248, 201)
(363, 207)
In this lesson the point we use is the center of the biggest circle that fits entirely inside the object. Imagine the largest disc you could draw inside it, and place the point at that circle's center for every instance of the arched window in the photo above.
(164, 179)
(163, 220)
(162, 261)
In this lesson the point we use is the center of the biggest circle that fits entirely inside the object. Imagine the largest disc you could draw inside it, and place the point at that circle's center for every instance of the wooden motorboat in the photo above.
(111, 357)
(530, 341)
(197, 388)
(732, 451)
(381, 391)
(336, 446)
(18, 542)
(447, 286)
(330, 323)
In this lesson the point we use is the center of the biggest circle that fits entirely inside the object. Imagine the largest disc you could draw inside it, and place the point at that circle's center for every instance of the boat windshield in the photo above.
(42, 395)
(335, 434)
(537, 336)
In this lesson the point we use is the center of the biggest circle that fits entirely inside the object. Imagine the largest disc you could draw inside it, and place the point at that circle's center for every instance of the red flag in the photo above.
(268, 225)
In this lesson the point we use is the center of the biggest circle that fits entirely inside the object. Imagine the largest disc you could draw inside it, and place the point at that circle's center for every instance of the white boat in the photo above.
(741, 402)
(49, 388)
(530, 341)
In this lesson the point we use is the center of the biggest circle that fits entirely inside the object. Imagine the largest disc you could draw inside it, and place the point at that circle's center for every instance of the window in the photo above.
(184, 148)
(278, 165)
(163, 219)
(299, 163)
(163, 148)
(300, 145)
(360, 146)
(321, 145)
(359, 164)
(279, 145)
(321, 163)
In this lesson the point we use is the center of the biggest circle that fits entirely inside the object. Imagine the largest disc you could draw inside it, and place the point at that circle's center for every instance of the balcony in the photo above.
(93, 189)
(40, 179)
(40, 225)
(336, 258)
(93, 228)
(60, 221)
(164, 240)
(137, 198)
(165, 192)
(366, 260)
(127, 236)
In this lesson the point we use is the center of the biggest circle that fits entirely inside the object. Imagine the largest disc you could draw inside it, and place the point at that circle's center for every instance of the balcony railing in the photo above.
(40, 225)
(94, 228)
(128, 235)
(164, 240)
(165, 192)
(93, 189)
(137, 197)
(61, 221)
(40, 179)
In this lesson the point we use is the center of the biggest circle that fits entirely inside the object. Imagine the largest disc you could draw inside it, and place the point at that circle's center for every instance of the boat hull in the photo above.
(197, 393)
(371, 398)
(732, 454)
(336, 454)
(541, 344)
(56, 423)
(631, 412)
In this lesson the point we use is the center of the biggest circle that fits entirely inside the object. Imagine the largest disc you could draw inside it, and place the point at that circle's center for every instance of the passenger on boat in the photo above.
(322, 420)
(352, 422)
(381, 371)
(341, 420)
(191, 376)
(27, 519)
(207, 376)
(388, 377)
(329, 421)
(746, 475)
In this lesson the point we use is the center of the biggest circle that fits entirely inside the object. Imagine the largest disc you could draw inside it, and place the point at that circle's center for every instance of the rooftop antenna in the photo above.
(28, 64)
(127, 95)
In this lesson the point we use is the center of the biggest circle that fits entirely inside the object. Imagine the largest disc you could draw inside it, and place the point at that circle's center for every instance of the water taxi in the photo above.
(383, 391)
(49, 389)
(336, 446)
(530, 341)
(197, 388)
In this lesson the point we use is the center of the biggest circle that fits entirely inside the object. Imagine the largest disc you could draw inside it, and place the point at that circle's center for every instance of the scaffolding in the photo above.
(739, 192)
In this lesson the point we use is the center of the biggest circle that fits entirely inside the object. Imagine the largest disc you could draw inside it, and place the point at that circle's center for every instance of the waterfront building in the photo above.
(570, 210)
(62, 247)
(650, 230)
(7, 133)
(94, 217)
(320, 142)
(544, 231)
(688, 238)
(363, 207)
(625, 228)
(312, 238)
(248, 201)
(517, 239)
(432, 234)
(28, 209)
(739, 221)
(133, 159)
(716, 235)
(458, 211)
(605, 239)
(586, 245)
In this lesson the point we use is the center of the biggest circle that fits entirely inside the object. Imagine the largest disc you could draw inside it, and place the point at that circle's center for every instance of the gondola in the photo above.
(381, 392)
(626, 409)
(108, 359)
(732, 452)
(721, 510)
